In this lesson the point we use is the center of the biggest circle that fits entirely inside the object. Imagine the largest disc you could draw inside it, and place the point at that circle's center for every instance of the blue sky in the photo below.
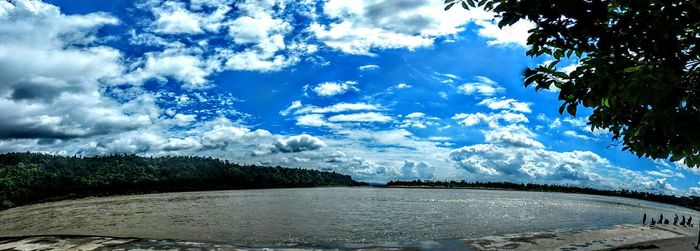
(380, 90)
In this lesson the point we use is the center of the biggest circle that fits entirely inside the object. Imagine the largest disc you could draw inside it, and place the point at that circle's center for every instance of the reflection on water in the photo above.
(326, 215)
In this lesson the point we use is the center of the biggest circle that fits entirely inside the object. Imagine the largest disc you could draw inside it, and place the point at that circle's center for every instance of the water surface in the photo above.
(327, 215)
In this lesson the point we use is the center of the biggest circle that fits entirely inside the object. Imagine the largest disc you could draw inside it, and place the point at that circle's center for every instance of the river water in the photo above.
(316, 216)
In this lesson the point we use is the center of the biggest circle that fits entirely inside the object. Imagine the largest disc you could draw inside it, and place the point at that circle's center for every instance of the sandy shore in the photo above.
(621, 237)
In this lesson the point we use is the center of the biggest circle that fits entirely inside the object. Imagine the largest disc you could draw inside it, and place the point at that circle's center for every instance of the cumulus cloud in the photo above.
(222, 133)
(185, 66)
(515, 34)
(506, 104)
(482, 87)
(528, 164)
(328, 89)
(298, 143)
(363, 25)
(419, 120)
(417, 170)
(512, 135)
(53, 73)
(184, 119)
(263, 30)
(173, 17)
(490, 119)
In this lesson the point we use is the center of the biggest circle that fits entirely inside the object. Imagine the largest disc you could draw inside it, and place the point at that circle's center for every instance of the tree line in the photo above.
(34, 177)
(692, 202)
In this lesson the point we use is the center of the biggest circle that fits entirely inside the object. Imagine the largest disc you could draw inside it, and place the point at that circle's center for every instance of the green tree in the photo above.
(638, 71)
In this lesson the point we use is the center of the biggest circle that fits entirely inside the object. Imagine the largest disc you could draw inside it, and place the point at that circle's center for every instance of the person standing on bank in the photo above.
(644, 219)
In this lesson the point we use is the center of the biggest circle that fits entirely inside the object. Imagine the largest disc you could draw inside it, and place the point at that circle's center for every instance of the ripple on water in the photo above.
(327, 215)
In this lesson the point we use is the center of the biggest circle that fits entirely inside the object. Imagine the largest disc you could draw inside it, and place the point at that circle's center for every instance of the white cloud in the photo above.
(296, 104)
(416, 115)
(315, 120)
(419, 120)
(298, 143)
(516, 34)
(177, 20)
(182, 65)
(533, 165)
(574, 134)
(555, 124)
(403, 86)
(369, 67)
(360, 117)
(506, 104)
(417, 170)
(483, 87)
(223, 133)
(512, 135)
(173, 17)
(263, 30)
(490, 119)
(257, 60)
(328, 89)
(694, 191)
(577, 122)
(361, 26)
(184, 119)
(298, 108)
(53, 73)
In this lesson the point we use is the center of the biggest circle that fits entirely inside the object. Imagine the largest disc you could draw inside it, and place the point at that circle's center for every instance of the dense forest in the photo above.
(689, 202)
(32, 177)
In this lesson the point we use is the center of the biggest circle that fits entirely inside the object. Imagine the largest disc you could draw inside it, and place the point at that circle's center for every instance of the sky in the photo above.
(376, 89)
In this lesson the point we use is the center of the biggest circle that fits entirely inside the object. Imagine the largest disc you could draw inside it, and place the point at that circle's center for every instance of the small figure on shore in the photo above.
(644, 219)
(653, 222)
(675, 220)
(666, 221)
(683, 221)
(690, 221)
(661, 219)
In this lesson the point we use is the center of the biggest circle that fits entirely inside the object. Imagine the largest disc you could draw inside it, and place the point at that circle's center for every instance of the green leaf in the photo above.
(558, 54)
(676, 157)
(449, 6)
(560, 74)
(571, 109)
(488, 5)
(632, 69)
(529, 80)
(561, 108)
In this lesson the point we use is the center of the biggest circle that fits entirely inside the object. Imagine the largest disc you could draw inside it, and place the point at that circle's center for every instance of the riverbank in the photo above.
(619, 237)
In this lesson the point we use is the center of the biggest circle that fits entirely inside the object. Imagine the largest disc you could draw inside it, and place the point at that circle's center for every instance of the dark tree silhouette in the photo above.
(33, 177)
(639, 69)
(689, 201)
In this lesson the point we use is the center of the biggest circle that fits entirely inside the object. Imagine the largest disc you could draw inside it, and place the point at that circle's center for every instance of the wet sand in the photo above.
(620, 237)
